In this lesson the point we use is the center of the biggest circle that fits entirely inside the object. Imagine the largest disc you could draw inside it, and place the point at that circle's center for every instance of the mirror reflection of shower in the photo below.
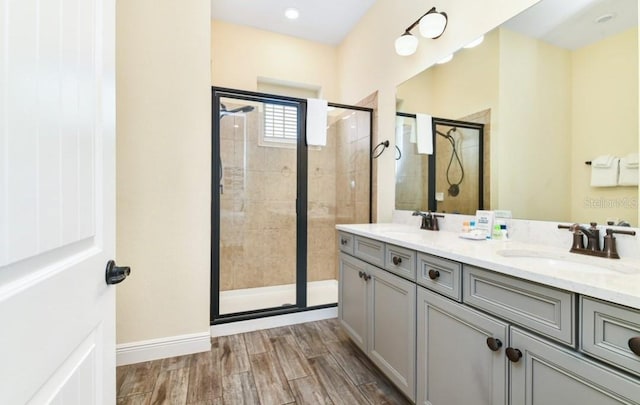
(238, 111)
(454, 185)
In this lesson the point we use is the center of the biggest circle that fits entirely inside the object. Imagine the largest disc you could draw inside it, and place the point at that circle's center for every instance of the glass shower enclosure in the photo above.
(276, 202)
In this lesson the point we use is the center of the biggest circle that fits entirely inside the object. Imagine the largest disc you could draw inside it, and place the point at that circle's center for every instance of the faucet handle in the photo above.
(610, 242)
(620, 231)
(578, 242)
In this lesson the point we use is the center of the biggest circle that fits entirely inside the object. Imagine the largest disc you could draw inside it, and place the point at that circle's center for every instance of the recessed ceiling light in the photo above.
(291, 13)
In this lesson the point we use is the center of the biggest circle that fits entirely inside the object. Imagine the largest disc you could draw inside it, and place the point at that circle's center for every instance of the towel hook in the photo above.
(384, 144)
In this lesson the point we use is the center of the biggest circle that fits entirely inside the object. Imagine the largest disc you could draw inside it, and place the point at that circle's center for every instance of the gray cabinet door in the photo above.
(455, 364)
(549, 374)
(392, 328)
(352, 300)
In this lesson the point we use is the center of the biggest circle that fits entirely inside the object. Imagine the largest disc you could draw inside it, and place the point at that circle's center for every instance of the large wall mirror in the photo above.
(555, 87)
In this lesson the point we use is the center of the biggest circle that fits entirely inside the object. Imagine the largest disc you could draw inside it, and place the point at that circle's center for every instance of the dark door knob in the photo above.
(343, 241)
(634, 345)
(360, 274)
(433, 274)
(116, 274)
(513, 354)
(396, 260)
(494, 344)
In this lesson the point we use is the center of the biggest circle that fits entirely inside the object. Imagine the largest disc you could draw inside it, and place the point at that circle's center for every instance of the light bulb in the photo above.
(433, 24)
(406, 45)
(291, 13)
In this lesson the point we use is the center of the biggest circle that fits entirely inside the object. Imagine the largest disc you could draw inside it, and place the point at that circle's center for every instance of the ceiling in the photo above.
(572, 24)
(324, 21)
(568, 24)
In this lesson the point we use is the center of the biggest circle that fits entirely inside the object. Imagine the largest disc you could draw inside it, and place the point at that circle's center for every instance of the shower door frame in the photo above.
(301, 203)
(431, 190)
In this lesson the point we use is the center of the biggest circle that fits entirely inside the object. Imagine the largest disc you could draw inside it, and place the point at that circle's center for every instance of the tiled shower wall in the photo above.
(258, 216)
(467, 144)
(412, 173)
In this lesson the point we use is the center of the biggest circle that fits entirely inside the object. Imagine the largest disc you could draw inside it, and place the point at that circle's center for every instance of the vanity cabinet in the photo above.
(452, 333)
(377, 310)
(611, 333)
(547, 373)
(545, 310)
(353, 299)
(456, 364)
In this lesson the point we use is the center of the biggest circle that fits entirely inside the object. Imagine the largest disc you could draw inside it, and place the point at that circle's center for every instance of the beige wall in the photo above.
(364, 63)
(369, 49)
(163, 167)
(164, 72)
(532, 141)
(552, 112)
(241, 55)
(525, 155)
(603, 125)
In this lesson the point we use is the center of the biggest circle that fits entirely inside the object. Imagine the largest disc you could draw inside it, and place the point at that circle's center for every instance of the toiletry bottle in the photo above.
(503, 231)
(472, 225)
(496, 234)
(465, 227)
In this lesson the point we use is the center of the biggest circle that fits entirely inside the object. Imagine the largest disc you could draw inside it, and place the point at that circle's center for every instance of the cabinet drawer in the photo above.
(345, 242)
(545, 310)
(369, 250)
(400, 261)
(607, 331)
(440, 275)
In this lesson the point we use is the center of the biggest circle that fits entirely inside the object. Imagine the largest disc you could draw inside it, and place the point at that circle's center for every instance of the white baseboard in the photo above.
(155, 349)
(232, 328)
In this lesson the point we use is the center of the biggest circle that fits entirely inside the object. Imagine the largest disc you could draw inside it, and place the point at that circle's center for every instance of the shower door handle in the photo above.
(220, 175)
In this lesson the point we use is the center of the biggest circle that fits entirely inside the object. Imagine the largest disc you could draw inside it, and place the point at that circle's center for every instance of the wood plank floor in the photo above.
(311, 363)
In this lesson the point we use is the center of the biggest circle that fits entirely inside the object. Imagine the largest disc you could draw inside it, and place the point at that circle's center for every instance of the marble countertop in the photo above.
(614, 280)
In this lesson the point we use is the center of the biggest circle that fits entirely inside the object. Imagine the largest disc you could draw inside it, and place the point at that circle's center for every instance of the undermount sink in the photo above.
(567, 261)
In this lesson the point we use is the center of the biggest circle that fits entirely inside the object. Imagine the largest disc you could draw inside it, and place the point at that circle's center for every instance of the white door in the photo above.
(57, 193)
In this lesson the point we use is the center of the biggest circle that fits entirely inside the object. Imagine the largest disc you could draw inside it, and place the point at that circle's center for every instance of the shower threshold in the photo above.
(250, 299)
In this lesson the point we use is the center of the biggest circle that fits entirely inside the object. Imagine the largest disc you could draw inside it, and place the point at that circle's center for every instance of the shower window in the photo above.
(280, 123)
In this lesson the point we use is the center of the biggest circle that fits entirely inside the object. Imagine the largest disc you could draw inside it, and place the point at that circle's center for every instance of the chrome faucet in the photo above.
(593, 240)
(429, 220)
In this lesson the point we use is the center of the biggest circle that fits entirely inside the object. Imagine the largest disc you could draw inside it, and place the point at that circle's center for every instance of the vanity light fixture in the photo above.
(432, 25)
